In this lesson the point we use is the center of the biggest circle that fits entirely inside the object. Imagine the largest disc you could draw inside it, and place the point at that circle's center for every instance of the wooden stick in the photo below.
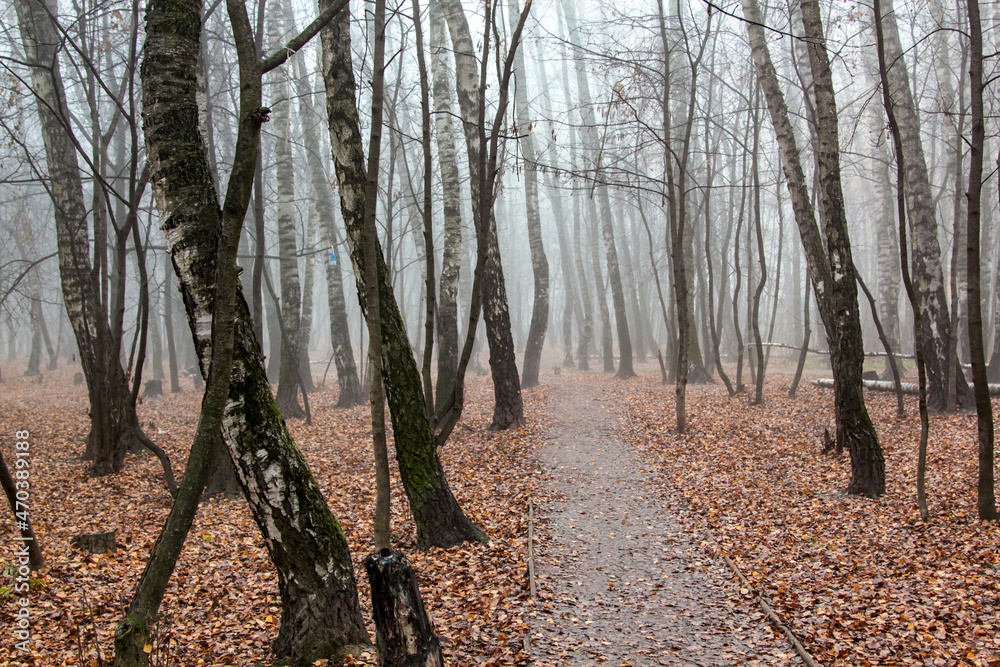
(531, 550)
(766, 608)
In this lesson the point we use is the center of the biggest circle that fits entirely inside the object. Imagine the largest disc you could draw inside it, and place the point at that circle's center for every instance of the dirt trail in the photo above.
(630, 582)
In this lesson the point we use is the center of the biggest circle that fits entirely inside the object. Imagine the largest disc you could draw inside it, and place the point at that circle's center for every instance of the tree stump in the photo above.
(78, 379)
(869, 375)
(404, 635)
(153, 388)
(95, 543)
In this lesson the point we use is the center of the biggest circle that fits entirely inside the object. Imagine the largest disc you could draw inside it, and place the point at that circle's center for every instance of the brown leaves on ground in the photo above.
(861, 582)
(222, 605)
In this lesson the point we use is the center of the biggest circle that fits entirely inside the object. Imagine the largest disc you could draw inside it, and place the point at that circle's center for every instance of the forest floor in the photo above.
(860, 582)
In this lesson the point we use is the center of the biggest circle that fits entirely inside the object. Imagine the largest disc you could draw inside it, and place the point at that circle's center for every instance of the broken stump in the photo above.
(153, 388)
(404, 636)
(78, 379)
(95, 543)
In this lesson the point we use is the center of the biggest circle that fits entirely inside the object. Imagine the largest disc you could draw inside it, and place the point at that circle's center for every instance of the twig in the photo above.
(766, 608)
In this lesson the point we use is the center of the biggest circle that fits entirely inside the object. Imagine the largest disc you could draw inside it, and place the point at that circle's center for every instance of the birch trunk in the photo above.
(832, 271)
(607, 230)
(886, 242)
(349, 388)
(539, 262)
(439, 520)
(288, 263)
(567, 269)
(587, 330)
(508, 408)
(600, 291)
(451, 255)
(927, 273)
(321, 614)
(88, 314)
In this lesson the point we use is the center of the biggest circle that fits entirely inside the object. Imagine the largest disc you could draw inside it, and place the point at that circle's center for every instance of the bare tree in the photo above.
(439, 519)
(539, 262)
(986, 497)
(508, 407)
(831, 265)
(928, 276)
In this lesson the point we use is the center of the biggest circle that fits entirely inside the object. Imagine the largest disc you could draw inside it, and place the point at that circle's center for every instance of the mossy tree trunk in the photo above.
(321, 614)
(439, 519)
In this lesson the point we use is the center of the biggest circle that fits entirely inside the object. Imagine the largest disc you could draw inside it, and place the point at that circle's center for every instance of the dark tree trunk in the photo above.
(986, 495)
(21, 509)
(404, 633)
(755, 310)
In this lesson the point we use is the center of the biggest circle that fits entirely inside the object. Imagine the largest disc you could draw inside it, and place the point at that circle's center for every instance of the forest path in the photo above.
(623, 579)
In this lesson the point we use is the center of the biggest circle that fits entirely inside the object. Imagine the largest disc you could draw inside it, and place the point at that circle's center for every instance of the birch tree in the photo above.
(451, 255)
(439, 519)
(831, 266)
(604, 201)
(539, 262)
(508, 406)
(321, 613)
(927, 272)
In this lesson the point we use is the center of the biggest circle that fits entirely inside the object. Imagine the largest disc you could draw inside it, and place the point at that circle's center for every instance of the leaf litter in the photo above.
(860, 582)
(222, 605)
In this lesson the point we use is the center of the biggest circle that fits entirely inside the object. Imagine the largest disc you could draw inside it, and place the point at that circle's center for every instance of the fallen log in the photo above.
(883, 385)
